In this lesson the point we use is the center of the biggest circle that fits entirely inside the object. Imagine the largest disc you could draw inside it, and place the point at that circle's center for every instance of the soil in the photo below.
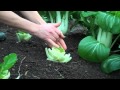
(33, 64)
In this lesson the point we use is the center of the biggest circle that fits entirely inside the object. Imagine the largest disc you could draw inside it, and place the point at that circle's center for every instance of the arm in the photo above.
(48, 32)
(10, 18)
(36, 18)
(33, 16)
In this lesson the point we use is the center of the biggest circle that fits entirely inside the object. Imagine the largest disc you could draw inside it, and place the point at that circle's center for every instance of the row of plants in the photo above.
(103, 33)
(104, 30)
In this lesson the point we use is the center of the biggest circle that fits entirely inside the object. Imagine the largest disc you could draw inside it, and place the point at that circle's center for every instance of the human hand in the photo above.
(51, 35)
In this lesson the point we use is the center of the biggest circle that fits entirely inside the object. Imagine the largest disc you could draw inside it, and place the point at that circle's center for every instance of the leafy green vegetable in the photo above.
(88, 13)
(108, 25)
(108, 22)
(115, 13)
(63, 17)
(96, 48)
(87, 18)
(112, 63)
(23, 36)
(58, 17)
(57, 55)
(9, 61)
(104, 37)
(92, 50)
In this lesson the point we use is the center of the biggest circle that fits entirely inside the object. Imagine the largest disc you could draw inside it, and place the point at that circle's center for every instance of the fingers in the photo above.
(62, 43)
(57, 34)
(57, 44)
(60, 33)
(52, 43)
(59, 39)
(53, 36)
(57, 24)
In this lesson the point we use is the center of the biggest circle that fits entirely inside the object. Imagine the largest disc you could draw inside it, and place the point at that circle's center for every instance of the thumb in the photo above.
(57, 24)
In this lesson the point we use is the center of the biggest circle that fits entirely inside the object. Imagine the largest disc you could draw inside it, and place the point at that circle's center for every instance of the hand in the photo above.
(51, 35)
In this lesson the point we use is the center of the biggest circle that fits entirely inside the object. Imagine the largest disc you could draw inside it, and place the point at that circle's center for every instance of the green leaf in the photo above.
(116, 13)
(49, 57)
(9, 61)
(19, 36)
(88, 13)
(92, 50)
(27, 37)
(108, 22)
(112, 63)
(23, 36)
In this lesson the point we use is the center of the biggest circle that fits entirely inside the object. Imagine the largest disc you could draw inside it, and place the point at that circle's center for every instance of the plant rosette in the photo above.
(57, 55)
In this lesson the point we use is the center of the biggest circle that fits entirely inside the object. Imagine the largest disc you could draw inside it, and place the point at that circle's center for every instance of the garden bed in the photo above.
(33, 64)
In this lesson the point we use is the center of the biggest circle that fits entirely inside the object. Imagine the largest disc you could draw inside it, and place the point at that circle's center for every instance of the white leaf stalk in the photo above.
(57, 55)
(64, 21)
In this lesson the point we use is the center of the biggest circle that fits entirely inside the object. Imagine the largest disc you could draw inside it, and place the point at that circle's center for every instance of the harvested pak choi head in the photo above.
(57, 55)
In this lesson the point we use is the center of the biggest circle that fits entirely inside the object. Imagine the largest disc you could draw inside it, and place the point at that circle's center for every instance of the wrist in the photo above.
(40, 21)
(34, 28)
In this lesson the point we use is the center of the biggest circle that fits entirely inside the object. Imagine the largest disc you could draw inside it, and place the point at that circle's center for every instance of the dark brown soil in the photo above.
(33, 64)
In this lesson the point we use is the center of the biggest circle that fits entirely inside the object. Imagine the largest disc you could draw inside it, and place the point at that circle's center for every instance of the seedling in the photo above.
(23, 36)
(8, 62)
(57, 55)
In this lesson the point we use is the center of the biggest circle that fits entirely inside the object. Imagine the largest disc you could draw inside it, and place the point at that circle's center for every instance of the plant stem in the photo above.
(51, 18)
(92, 27)
(115, 41)
(58, 17)
(116, 51)
(63, 18)
(104, 37)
